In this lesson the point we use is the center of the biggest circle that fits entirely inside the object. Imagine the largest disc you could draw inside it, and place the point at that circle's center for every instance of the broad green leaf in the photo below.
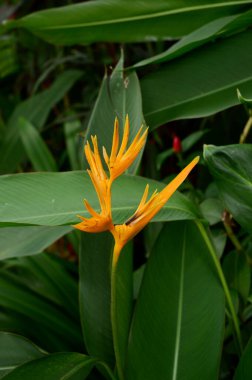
(60, 366)
(16, 350)
(95, 296)
(177, 327)
(201, 83)
(244, 369)
(231, 169)
(26, 241)
(35, 147)
(119, 95)
(122, 304)
(53, 199)
(124, 21)
(207, 33)
(36, 110)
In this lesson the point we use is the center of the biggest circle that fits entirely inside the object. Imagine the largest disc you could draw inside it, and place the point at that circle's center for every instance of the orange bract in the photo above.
(119, 161)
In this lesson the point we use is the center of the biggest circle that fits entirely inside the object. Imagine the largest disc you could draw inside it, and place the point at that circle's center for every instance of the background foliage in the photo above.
(183, 299)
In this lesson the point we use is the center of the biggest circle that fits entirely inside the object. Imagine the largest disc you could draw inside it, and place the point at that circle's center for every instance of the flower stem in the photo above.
(115, 257)
(246, 130)
(224, 285)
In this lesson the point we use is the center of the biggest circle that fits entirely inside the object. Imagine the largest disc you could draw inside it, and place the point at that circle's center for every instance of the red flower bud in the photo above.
(176, 144)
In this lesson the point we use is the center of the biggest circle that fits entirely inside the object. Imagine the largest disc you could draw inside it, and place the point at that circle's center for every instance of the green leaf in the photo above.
(36, 110)
(16, 350)
(119, 95)
(179, 315)
(95, 296)
(229, 165)
(244, 369)
(60, 366)
(246, 102)
(94, 291)
(201, 83)
(123, 21)
(207, 33)
(56, 198)
(26, 241)
(35, 147)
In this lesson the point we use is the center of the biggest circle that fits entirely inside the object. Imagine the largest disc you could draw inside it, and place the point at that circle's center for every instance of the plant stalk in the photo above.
(115, 257)
(224, 285)
(246, 130)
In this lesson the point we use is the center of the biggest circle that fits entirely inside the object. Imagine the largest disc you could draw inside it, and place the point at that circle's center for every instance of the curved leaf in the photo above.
(201, 83)
(207, 33)
(119, 95)
(56, 198)
(16, 350)
(62, 366)
(95, 295)
(180, 311)
(27, 241)
(124, 21)
(230, 168)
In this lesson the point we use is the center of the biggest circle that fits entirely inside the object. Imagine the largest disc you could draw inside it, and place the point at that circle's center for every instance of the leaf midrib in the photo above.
(28, 218)
(198, 97)
(149, 16)
(180, 311)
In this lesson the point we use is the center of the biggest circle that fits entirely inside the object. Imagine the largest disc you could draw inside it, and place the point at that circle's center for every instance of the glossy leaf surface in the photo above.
(179, 314)
(123, 21)
(95, 295)
(26, 241)
(199, 84)
(119, 95)
(209, 32)
(56, 198)
(233, 176)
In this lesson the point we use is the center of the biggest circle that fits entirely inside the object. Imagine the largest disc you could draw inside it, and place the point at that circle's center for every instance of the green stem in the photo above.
(246, 130)
(232, 237)
(224, 285)
(116, 253)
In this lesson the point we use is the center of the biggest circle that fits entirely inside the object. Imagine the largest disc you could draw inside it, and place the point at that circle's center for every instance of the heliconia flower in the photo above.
(148, 209)
(119, 161)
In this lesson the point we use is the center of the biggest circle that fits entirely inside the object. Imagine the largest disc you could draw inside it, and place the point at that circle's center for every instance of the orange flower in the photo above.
(119, 161)
(147, 210)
